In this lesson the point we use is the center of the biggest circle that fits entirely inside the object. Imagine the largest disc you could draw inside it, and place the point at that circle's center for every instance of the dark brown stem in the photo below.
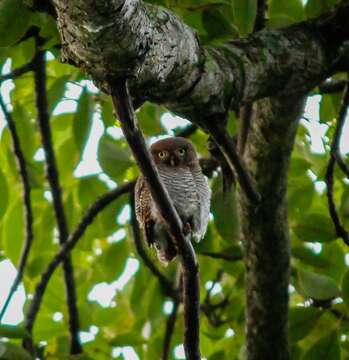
(28, 212)
(170, 326)
(221, 256)
(18, 72)
(259, 22)
(135, 139)
(52, 176)
(331, 87)
(74, 237)
(165, 283)
(227, 147)
(335, 156)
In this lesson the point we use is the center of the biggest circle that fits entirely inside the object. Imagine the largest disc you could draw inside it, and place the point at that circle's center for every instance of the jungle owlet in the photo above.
(180, 172)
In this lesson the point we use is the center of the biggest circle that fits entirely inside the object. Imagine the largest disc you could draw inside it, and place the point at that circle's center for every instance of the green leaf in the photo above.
(301, 321)
(14, 21)
(315, 228)
(113, 157)
(244, 14)
(13, 332)
(325, 348)
(293, 9)
(83, 120)
(56, 92)
(318, 287)
(4, 194)
(10, 351)
(12, 231)
(345, 288)
(225, 215)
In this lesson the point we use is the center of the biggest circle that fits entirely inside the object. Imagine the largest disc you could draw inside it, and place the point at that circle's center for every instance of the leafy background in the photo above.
(122, 306)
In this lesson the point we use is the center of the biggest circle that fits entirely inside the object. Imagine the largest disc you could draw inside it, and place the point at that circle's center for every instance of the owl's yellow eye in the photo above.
(162, 154)
(181, 152)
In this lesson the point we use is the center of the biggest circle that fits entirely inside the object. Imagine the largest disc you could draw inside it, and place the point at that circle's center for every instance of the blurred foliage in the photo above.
(135, 315)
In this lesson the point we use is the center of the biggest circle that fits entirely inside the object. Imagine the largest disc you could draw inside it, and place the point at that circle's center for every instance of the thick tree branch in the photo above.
(168, 65)
(134, 137)
(55, 187)
(67, 247)
(335, 156)
(165, 283)
(28, 212)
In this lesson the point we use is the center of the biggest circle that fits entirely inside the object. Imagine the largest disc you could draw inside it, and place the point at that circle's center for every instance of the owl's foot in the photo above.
(186, 228)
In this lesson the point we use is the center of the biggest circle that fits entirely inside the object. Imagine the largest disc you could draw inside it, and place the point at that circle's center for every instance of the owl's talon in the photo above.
(186, 228)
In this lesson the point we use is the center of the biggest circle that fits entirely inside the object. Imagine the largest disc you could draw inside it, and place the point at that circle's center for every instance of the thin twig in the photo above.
(227, 148)
(170, 326)
(91, 213)
(18, 72)
(221, 256)
(191, 289)
(28, 212)
(55, 187)
(259, 22)
(165, 283)
(334, 156)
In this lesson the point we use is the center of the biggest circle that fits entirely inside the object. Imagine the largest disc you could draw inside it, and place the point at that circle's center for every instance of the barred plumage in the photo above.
(188, 188)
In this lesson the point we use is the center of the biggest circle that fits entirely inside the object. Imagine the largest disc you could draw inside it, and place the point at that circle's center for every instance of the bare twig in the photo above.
(18, 72)
(74, 237)
(134, 136)
(167, 286)
(170, 326)
(227, 148)
(334, 156)
(221, 256)
(259, 22)
(53, 180)
(28, 212)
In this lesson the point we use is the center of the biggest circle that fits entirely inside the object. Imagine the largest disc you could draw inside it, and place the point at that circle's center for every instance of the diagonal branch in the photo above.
(55, 187)
(165, 283)
(191, 289)
(87, 219)
(335, 157)
(18, 72)
(28, 212)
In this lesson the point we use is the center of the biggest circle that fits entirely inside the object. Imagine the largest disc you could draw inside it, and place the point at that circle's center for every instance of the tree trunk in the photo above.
(264, 229)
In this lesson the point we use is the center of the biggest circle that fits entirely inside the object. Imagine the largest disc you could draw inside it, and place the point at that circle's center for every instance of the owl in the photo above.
(178, 165)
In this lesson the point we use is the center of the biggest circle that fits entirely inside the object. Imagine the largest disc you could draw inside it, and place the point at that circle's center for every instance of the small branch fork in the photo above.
(190, 272)
(91, 213)
(28, 211)
(335, 157)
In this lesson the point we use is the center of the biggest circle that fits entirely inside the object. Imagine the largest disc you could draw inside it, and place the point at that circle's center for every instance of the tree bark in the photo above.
(166, 63)
(264, 229)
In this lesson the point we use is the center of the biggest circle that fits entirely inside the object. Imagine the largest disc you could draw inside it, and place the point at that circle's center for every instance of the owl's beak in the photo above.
(172, 161)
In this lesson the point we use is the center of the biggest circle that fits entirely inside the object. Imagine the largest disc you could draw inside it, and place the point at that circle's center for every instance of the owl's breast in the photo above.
(180, 185)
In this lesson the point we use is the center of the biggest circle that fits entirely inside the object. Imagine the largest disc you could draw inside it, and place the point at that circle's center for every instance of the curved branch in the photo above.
(191, 289)
(18, 72)
(67, 247)
(335, 156)
(28, 211)
(52, 176)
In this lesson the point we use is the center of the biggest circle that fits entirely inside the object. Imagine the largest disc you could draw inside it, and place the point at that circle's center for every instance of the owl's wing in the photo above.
(143, 202)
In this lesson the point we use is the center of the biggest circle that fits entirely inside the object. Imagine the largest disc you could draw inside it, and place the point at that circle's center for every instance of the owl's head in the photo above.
(174, 151)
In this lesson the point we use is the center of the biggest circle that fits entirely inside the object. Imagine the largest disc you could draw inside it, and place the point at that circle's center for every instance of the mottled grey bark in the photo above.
(168, 65)
(264, 229)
